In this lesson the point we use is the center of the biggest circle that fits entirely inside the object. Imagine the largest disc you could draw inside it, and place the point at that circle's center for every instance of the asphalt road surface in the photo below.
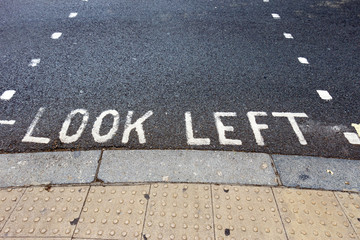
(240, 75)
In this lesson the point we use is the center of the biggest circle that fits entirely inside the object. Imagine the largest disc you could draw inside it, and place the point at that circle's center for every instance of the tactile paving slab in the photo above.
(243, 212)
(351, 205)
(179, 211)
(113, 212)
(8, 199)
(311, 214)
(46, 212)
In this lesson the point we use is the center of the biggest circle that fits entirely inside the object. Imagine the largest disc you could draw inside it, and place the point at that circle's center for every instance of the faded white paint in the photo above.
(56, 35)
(34, 62)
(288, 35)
(97, 125)
(28, 136)
(65, 127)
(222, 129)
(73, 14)
(190, 133)
(357, 128)
(275, 16)
(137, 125)
(7, 122)
(7, 95)
(303, 60)
(266, 1)
(353, 138)
(257, 127)
(291, 117)
(325, 95)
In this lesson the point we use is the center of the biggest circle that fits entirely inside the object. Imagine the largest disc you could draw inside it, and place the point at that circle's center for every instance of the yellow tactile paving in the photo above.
(243, 212)
(46, 212)
(36, 239)
(8, 199)
(351, 205)
(311, 214)
(113, 212)
(179, 211)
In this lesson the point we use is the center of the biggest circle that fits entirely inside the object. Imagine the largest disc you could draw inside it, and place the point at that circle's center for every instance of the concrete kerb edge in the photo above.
(276, 168)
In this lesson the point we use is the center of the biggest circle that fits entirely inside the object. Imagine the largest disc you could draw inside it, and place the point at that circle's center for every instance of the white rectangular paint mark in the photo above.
(352, 138)
(34, 62)
(56, 35)
(303, 60)
(7, 122)
(288, 35)
(7, 95)
(73, 14)
(275, 16)
(266, 1)
(324, 95)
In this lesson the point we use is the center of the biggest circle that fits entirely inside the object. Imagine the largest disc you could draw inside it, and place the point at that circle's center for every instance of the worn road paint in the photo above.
(303, 60)
(324, 95)
(65, 127)
(275, 16)
(222, 129)
(28, 136)
(97, 125)
(34, 62)
(257, 127)
(7, 95)
(56, 35)
(7, 122)
(353, 138)
(137, 125)
(266, 1)
(291, 117)
(288, 35)
(73, 14)
(357, 128)
(191, 140)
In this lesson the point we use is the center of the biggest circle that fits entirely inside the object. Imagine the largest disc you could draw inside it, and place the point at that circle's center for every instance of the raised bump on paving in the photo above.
(312, 214)
(8, 200)
(350, 203)
(179, 211)
(249, 212)
(46, 212)
(113, 212)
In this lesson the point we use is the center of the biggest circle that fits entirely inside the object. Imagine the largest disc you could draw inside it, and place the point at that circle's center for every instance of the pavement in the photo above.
(177, 194)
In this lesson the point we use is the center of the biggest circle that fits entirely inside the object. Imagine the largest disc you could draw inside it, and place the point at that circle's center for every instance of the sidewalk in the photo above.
(259, 204)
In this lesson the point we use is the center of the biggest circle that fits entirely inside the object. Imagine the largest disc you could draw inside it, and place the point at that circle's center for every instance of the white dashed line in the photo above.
(324, 95)
(7, 95)
(288, 35)
(266, 1)
(303, 60)
(73, 14)
(7, 122)
(275, 16)
(34, 62)
(353, 138)
(56, 35)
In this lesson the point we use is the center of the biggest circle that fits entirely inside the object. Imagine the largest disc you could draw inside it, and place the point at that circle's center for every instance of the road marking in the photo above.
(34, 62)
(357, 128)
(137, 125)
(303, 60)
(324, 95)
(353, 138)
(56, 35)
(221, 128)
(190, 133)
(7, 122)
(266, 1)
(257, 127)
(275, 16)
(97, 125)
(32, 139)
(65, 127)
(288, 35)
(293, 123)
(73, 14)
(7, 95)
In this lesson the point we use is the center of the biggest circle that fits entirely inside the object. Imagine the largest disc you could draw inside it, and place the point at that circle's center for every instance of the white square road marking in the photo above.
(353, 138)
(275, 16)
(303, 60)
(56, 35)
(266, 1)
(7, 95)
(73, 14)
(34, 62)
(325, 95)
(288, 35)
